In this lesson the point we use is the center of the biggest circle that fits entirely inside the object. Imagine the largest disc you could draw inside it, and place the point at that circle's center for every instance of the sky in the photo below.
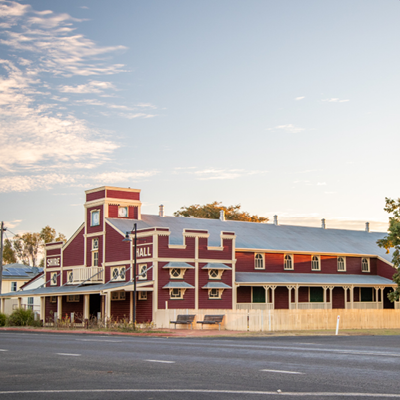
(286, 107)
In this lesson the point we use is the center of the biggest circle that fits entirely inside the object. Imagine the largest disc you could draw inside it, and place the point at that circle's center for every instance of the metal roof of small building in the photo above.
(20, 271)
(310, 279)
(253, 235)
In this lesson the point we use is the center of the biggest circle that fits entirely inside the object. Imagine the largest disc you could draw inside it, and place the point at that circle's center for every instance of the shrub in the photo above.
(22, 317)
(3, 319)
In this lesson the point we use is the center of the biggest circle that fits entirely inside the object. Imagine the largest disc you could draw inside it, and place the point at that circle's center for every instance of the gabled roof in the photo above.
(253, 235)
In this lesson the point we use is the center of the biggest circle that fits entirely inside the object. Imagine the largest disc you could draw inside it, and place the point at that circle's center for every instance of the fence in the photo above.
(287, 320)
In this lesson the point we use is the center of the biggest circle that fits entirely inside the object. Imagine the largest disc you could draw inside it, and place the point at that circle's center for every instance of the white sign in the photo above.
(53, 262)
(143, 252)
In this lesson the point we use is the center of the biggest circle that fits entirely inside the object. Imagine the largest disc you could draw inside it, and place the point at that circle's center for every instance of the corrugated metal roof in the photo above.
(73, 289)
(252, 235)
(20, 271)
(174, 264)
(216, 266)
(178, 285)
(216, 285)
(312, 279)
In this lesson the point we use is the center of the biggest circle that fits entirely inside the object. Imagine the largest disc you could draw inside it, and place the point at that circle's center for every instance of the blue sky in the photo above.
(286, 107)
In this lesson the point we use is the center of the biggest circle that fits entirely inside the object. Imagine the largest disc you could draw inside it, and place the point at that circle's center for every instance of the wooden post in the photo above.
(59, 307)
(108, 299)
(325, 287)
(352, 297)
(19, 302)
(296, 296)
(346, 297)
(3, 305)
(42, 308)
(273, 296)
(86, 303)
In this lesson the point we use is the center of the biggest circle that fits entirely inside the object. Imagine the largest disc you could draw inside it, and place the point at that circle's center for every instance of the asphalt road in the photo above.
(73, 366)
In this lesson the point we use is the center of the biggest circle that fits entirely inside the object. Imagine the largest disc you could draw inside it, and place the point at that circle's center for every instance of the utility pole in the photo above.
(2, 229)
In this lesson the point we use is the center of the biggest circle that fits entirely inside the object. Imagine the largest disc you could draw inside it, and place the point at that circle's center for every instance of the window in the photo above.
(118, 274)
(53, 299)
(70, 277)
(73, 298)
(316, 263)
(53, 279)
(176, 293)
(259, 261)
(365, 264)
(176, 273)
(288, 262)
(142, 296)
(215, 273)
(118, 295)
(123, 212)
(341, 264)
(95, 244)
(95, 259)
(316, 294)
(215, 293)
(143, 271)
(30, 303)
(366, 294)
(95, 218)
(13, 286)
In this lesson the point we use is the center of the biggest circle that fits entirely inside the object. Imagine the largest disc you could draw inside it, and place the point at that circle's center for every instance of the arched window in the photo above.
(315, 264)
(365, 264)
(288, 262)
(259, 261)
(341, 266)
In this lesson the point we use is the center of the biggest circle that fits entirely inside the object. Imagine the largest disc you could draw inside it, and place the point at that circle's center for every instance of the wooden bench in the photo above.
(184, 319)
(212, 320)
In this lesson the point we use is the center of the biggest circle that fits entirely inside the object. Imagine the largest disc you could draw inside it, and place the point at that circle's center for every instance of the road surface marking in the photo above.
(3, 350)
(281, 372)
(68, 354)
(210, 391)
(99, 340)
(161, 361)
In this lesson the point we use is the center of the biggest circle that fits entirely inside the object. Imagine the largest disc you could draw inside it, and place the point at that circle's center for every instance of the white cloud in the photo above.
(336, 100)
(321, 184)
(300, 98)
(91, 87)
(12, 224)
(221, 174)
(288, 128)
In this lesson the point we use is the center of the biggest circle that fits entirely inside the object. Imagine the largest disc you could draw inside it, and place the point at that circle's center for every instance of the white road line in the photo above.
(99, 340)
(3, 350)
(68, 354)
(161, 361)
(210, 391)
(282, 372)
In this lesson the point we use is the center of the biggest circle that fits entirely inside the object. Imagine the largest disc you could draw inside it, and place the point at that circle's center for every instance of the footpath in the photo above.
(203, 332)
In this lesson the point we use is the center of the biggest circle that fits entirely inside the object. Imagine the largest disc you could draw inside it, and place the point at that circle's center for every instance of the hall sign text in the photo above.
(143, 252)
(53, 262)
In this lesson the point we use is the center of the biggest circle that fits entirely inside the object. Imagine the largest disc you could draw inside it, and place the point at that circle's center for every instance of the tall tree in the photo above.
(392, 241)
(9, 256)
(212, 210)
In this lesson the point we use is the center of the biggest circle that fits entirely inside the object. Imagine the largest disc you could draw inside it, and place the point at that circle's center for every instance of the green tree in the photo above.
(392, 241)
(48, 235)
(9, 256)
(212, 210)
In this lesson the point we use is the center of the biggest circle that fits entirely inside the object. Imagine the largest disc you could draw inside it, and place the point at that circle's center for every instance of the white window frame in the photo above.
(219, 273)
(14, 286)
(53, 299)
(95, 244)
(142, 295)
(95, 258)
(363, 263)
(73, 298)
(91, 217)
(30, 302)
(70, 276)
(315, 263)
(118, 296)
(259, 261)
(291, 258)
(344, 264)
(142, 267)
(127, 211)
(121, 274)
(52, 275)
(176, 293)
(215, 294)
(181, 273)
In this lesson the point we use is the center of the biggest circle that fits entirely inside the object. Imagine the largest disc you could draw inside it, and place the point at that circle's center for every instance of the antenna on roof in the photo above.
(367, 227)
(323, 225)
(275, 220)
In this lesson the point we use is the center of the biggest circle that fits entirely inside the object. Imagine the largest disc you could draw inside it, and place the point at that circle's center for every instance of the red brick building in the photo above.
(194, 263)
